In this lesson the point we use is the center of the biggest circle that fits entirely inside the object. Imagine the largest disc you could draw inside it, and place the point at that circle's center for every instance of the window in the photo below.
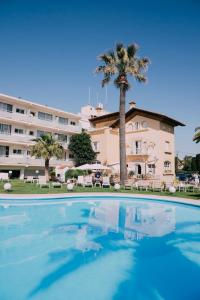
(32, 113)
(167, 146)
(19, 131)
(5, 129)
(96, 146)
(28, 152)
(45, 116)
(6, 107)
(130, 126)
(144, 124)
(167, 166)
(4, 151)
(41, 133)
(20, 111)
(137, 125)
(63, 121)
(31, 132)
(62, 137)
(17, 151)
(138, 147)
(73, 123)
(151, 169)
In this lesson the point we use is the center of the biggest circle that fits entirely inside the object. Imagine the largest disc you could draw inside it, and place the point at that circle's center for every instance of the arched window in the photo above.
(144, 124)
(137, 125)
(167, 165)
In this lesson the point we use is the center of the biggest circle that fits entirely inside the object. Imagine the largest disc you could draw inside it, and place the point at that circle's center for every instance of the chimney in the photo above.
(99, 108)
(132, 104)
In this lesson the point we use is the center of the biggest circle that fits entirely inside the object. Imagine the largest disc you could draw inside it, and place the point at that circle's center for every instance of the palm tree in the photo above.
(47, 147)
(123, 63)
(196, 137)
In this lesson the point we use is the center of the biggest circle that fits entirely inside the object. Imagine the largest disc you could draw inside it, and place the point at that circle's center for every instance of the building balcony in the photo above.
(16, 138)
(30, 120)
(21, 139)
(26, 161)
(137, 155)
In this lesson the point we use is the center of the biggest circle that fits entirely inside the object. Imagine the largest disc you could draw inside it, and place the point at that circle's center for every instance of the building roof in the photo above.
(133, 112)
(35, 105)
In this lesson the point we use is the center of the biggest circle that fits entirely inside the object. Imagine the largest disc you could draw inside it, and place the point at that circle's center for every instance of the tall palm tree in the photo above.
(47, 147)
(124, 63)
(196, 137)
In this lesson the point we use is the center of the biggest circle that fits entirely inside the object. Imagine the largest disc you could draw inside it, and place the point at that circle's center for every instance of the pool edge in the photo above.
(179, 200)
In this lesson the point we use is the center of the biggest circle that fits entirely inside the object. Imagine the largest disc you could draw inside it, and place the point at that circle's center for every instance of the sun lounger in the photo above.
(106, 182)
(56, 184)
(143, 185)
(128, 185)
(29, 179)
(157, 186)
(4, 176)
(88, 181)
(42, 182)
(80, 181)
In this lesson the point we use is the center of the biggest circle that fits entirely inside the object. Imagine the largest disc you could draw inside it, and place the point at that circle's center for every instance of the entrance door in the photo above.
(138, 169)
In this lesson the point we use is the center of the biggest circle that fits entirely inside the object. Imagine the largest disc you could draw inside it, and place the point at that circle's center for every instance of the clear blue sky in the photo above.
(48, 52)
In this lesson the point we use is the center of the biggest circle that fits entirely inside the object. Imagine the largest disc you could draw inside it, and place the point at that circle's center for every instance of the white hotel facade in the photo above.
(21, 122)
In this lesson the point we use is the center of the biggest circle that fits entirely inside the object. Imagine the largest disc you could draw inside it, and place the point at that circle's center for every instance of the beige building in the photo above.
(150, 142)
(22, 121)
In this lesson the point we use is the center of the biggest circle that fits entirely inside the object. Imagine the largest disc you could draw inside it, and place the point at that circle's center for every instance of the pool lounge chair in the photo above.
(157, 186)
(42, 182)
(143, 185)
(4, 176)
(80, 181)
(88, 181)
(29, 179)
(128, 184)
(106, 182)
(56, 184)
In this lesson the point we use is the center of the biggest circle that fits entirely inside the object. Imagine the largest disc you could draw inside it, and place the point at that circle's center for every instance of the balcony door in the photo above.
(4, 151)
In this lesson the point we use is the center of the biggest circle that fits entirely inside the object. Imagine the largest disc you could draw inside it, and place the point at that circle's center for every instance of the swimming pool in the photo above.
(99, 249)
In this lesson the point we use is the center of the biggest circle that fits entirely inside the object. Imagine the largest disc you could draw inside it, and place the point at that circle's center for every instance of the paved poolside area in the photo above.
(84, 195)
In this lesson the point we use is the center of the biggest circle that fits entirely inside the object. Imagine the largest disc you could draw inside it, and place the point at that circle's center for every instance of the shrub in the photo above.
(74, 173)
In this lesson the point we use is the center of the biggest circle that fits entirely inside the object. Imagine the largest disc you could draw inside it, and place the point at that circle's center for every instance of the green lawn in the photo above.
(19, 187)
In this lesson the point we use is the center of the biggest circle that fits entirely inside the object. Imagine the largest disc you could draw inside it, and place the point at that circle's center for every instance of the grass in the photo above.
(19, 187)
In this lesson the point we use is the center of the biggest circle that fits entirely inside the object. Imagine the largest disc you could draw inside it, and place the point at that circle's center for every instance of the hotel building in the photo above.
(21, 122)
(150, 141)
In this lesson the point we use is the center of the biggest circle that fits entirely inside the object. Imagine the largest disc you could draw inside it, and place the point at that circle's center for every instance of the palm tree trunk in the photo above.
(122, 136)
(47, 169)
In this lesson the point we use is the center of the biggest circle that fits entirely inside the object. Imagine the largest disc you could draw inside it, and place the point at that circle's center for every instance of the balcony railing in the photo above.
(35, 121)
(26, 161)
(138, 151)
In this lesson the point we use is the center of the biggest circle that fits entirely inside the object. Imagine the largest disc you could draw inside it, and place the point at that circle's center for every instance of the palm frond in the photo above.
(196, 137)
(140, 77)
(131, 50)
(119, 46)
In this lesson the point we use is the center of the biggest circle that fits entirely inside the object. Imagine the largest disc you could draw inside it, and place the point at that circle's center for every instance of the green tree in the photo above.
(194, 164)
(47, 147)
(81, 148)
(124, 63)
(196, 137)
(198, 162)
(187, 163)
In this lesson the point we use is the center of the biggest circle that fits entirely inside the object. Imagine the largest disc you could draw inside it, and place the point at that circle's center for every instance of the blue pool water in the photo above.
(99, 249)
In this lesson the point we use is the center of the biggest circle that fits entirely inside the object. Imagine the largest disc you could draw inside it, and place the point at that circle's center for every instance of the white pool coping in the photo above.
(104, 194)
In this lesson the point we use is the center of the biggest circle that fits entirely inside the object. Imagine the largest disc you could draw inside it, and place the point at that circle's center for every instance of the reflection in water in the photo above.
(109, 249)
(135, 221)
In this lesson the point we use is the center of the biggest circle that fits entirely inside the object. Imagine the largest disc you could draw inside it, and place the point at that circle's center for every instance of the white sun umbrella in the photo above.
(84, 167)
(99, 167)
